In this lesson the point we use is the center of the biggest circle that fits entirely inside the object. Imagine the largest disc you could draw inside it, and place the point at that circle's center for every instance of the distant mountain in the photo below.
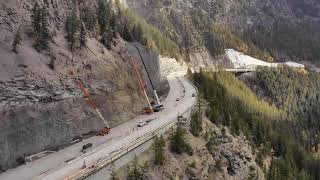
(282, 29)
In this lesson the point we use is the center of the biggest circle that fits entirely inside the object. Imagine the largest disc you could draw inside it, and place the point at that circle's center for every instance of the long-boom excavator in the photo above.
(136, 69)
(86, 95)
(159, 105)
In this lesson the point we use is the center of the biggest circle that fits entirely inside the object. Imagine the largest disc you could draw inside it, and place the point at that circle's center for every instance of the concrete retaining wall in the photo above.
(106, 171)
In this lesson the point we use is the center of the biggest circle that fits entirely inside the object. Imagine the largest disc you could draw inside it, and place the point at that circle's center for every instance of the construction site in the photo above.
(81, 99)
(53, 99)
(85, 153)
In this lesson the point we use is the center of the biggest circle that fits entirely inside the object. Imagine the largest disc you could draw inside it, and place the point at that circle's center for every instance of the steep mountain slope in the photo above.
(231, 157)
(41, 106)
(284, 135)
(280, 30)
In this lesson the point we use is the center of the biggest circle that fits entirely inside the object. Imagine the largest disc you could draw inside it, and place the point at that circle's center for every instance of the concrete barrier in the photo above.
(38, 156)
(103, 168)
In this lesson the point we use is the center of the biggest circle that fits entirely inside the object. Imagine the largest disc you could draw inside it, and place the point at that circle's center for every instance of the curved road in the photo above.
(69, 161)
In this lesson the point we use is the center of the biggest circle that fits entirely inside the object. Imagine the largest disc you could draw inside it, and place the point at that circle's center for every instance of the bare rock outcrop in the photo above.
(41, 106)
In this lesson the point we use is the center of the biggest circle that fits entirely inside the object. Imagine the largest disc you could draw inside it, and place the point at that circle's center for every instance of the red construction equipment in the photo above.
(149, 109)
(86, 95)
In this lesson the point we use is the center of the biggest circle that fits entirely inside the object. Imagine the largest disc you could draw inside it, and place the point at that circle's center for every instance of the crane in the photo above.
(140, 81)
(86, 95)
(144, 65)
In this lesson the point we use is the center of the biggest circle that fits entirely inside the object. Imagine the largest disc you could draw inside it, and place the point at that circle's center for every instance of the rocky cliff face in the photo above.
(41, 106)
(236, 13)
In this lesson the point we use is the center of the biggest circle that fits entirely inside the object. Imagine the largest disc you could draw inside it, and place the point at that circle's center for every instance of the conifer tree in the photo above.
(16, 41)
(40, 25)
(36, 19)
(88, 17)
(178, 142)
(136, 171)
(72, 26)
(196, 124)
(212, 144)
(115, 24)
(158, 148)
(44, 34)
(83, 38)
(104, 17)
(103, 14)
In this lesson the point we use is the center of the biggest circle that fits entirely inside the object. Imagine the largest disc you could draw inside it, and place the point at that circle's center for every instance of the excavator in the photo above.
(148, 109)
(152, 106)
(158, 106)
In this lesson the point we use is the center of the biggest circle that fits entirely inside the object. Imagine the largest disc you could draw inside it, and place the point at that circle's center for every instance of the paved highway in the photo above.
(69, 161)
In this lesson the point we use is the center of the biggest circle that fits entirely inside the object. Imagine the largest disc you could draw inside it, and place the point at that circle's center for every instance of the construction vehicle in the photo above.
(147, 110)
(104, 131)
(154, 108)
(86, 95)
(157, 108)
(141, 124)
(86, 146)
(144, 65)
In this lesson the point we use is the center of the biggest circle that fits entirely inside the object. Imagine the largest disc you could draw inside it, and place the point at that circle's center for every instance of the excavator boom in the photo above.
(86, 95)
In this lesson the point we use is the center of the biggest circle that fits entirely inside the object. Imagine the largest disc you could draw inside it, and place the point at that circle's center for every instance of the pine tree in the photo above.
(88, 17)
(83, 39)
(106, 39)
(103, 15)
(158, 148)
(136, 171)
(212, 144)
(72, 26)
(39, 18)
(178, 142)
(16, 41)
(36, 19)
(104, 18)
(114, 24)
(196, 124)
(44, 34)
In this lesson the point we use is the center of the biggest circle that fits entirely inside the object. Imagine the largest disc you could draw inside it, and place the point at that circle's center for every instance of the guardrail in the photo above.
(132, 145)
(38, 156)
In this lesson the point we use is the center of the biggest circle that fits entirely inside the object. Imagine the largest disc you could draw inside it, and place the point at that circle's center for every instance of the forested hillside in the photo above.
(135, 28)
(273, 133)
(298, 94)
(269, 30)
